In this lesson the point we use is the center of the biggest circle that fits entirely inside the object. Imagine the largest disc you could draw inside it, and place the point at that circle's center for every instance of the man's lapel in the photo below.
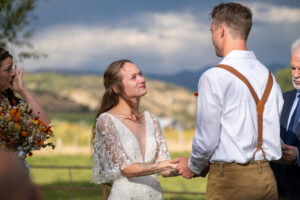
(287, 106)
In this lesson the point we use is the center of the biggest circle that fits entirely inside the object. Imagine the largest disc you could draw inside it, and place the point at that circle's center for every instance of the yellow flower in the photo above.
(36, 122)
(8, 118)
(17, 126)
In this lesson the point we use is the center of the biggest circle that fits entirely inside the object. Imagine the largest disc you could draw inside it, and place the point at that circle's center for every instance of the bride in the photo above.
(129, 147)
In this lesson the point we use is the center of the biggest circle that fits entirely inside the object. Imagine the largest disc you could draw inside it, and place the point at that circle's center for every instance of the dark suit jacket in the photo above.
(288, 176)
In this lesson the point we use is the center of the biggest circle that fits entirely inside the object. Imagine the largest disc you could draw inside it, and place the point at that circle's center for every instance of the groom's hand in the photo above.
(182, 167)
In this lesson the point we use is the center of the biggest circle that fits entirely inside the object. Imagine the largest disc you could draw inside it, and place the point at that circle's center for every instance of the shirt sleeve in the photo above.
(279, 97)
(109, 157)
(207, 135)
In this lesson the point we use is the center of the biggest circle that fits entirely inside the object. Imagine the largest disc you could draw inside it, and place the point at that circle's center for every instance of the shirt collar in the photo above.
(241, 54)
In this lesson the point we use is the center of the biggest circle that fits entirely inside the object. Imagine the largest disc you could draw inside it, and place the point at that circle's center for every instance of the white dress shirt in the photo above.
(227, 117)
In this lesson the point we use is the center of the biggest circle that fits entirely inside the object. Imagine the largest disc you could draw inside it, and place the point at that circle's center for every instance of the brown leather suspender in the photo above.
(260, 103)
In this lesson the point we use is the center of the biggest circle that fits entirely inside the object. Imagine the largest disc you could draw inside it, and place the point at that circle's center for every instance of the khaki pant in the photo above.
(253, 181)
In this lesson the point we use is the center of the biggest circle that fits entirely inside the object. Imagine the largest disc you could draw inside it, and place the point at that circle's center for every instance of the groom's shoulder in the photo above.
(213, 73)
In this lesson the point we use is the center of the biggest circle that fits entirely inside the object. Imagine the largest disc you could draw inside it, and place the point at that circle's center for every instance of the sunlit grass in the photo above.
(81, 178)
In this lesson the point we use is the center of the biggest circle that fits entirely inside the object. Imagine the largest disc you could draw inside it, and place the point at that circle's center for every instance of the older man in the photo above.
(288, 173)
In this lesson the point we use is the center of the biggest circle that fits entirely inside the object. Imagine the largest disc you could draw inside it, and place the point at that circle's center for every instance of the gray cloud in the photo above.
(162, 42)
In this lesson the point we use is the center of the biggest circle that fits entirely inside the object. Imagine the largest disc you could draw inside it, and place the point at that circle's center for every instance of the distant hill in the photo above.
(61, 93)
(186, 78)
(189, 79)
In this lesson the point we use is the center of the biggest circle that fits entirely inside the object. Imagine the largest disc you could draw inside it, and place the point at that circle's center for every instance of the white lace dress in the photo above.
(115, 148)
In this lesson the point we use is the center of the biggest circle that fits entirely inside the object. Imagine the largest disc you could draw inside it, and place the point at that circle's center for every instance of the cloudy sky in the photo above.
(160, 36)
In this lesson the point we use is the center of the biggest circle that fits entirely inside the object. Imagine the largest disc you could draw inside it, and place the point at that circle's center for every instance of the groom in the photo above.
(239, 104)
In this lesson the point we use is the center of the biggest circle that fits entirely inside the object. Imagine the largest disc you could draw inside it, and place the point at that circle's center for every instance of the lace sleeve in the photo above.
(163, 153)
(109, 157)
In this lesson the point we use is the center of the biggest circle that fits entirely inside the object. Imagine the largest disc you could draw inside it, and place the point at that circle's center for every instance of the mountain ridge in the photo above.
(185, 78)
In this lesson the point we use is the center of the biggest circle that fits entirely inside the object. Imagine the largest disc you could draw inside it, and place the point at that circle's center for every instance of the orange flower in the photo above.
(2, 146)
(24, 133)
(12, 111)
(42, 123)
(50, 132)
(41, 143)
(17, 116)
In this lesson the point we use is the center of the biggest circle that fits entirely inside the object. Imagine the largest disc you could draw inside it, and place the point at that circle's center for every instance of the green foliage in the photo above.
(284, 79)
(14, 17)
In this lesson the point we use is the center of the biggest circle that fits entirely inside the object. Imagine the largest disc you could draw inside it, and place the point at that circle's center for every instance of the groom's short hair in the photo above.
(236, 16)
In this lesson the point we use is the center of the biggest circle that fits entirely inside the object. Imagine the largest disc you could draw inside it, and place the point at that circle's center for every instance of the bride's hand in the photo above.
(167, 164)
(171, 169)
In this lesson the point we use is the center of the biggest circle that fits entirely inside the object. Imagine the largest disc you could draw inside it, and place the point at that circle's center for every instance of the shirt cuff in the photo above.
(195, 167)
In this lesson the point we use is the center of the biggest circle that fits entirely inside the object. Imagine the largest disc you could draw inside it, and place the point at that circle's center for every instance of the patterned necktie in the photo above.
(290, 134)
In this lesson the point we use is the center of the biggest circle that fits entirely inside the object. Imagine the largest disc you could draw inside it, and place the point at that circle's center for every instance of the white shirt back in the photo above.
(227, 117)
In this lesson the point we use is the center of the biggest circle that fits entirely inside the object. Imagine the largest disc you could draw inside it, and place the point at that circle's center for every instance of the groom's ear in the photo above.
(221, 30)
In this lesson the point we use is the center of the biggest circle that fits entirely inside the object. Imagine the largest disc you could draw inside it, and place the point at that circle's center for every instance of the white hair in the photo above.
(295, 45)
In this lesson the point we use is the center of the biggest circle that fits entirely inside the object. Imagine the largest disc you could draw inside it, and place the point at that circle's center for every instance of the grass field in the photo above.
(81, 178)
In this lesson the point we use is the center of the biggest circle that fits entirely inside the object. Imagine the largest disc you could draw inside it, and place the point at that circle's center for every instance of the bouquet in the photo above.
(18, 131)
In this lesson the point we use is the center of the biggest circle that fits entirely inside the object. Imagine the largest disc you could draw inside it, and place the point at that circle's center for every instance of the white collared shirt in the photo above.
(227, 117)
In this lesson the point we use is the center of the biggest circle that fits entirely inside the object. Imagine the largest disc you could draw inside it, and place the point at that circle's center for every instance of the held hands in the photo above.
(182, 167)
(171, 169)
(185, 171)
(289, 154)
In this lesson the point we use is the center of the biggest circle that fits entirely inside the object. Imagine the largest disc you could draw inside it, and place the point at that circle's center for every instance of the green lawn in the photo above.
(81, 178)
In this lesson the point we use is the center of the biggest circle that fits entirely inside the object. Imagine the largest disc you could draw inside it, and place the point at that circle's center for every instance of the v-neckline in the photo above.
(146, 134)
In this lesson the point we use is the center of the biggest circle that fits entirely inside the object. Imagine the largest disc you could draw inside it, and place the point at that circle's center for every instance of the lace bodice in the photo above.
(116, 147)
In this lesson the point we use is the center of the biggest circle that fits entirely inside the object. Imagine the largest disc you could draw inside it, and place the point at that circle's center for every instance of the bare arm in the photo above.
(144, 169)
(37, 109)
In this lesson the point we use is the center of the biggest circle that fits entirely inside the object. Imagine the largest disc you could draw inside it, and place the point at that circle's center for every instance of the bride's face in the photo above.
(133, 81)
